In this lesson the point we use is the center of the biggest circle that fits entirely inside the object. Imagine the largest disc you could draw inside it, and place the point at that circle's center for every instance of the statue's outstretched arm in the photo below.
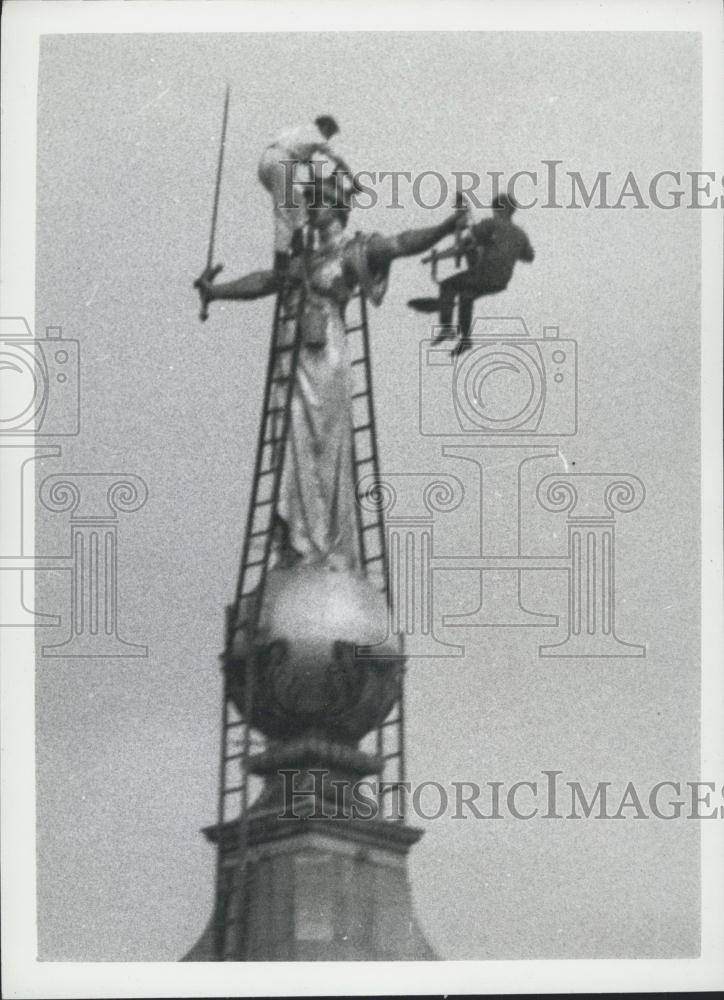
(251, 286)
(382, 250)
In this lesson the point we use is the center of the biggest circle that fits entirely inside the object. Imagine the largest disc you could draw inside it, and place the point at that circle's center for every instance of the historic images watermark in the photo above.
(41, 400)
(549, 185)
(317, 793)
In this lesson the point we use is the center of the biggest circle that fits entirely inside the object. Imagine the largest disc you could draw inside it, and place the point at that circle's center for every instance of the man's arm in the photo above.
(341, 163)
(342, 167)
(526, 251)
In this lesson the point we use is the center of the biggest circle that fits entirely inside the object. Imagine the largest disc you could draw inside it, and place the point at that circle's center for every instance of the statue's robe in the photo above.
(317, 499)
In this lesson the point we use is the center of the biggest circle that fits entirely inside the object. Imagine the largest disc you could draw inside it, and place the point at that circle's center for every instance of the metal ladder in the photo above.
(239, 739)
(269, 463)
(389, 737)
(365, 456)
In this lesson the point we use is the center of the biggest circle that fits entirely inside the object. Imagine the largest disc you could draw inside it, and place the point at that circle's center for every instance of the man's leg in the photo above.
(465, 315)
(290, 212)
(448, 294)
(444, 305)
(449, 289)
(468, 298)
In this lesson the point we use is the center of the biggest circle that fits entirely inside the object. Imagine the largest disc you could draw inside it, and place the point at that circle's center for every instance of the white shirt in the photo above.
(301, 142)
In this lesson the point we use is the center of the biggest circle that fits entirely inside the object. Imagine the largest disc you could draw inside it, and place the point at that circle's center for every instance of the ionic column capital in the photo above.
(97, 496)
(410, 496)
(590, 496)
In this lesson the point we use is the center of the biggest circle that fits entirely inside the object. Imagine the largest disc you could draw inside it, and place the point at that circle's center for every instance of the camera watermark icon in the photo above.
(499, 403)
(40, 398)
(40, 380)
(507, 383)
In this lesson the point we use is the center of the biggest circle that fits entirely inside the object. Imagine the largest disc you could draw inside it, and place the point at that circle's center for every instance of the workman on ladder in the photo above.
(285, 171)
(495, 246)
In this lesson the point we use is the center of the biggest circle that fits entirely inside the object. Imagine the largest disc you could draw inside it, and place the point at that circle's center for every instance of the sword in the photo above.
(211, 271)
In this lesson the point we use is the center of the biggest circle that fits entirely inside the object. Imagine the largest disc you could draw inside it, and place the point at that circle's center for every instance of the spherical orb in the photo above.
(313, 607)
(323, 658)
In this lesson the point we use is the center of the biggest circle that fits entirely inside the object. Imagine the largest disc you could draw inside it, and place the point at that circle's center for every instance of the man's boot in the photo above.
(464, 345)
(425, 305)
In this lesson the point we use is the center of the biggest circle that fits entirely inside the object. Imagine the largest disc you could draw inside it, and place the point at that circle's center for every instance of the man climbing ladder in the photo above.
(285, 171)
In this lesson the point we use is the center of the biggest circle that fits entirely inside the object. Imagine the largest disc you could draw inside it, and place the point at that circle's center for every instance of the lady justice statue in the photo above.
(316, 508)
(316, 595)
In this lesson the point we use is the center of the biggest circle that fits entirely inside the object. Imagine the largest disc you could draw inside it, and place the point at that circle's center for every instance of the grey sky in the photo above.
(127, 142)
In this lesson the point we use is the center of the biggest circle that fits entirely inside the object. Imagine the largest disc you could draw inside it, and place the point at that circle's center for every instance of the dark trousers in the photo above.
(465, 288)
(462, 288)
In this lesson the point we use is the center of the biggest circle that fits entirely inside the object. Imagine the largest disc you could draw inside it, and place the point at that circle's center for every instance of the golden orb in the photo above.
(324, 660)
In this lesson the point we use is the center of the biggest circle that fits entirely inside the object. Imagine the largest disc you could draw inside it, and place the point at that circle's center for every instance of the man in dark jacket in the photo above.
(495, 246)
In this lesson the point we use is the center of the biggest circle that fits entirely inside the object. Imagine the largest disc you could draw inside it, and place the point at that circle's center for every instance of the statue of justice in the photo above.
(314, 567)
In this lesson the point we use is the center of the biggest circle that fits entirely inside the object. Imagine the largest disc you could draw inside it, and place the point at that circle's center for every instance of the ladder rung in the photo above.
(391, 756)
(263, 503)
(267, 472)
(234, 790)
(274, 440)
(359, 395)
(354, 329)
(369, 527)
(285, 349)
(256, 562)
(233, 756)
(392, 722)
(371, 559)
(258, 534)
(363, 427)
(359, 361)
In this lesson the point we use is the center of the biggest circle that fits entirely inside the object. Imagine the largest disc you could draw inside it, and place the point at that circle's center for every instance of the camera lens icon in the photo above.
(23, 389)
(39, 381)
(499, 389)
(505, 383)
